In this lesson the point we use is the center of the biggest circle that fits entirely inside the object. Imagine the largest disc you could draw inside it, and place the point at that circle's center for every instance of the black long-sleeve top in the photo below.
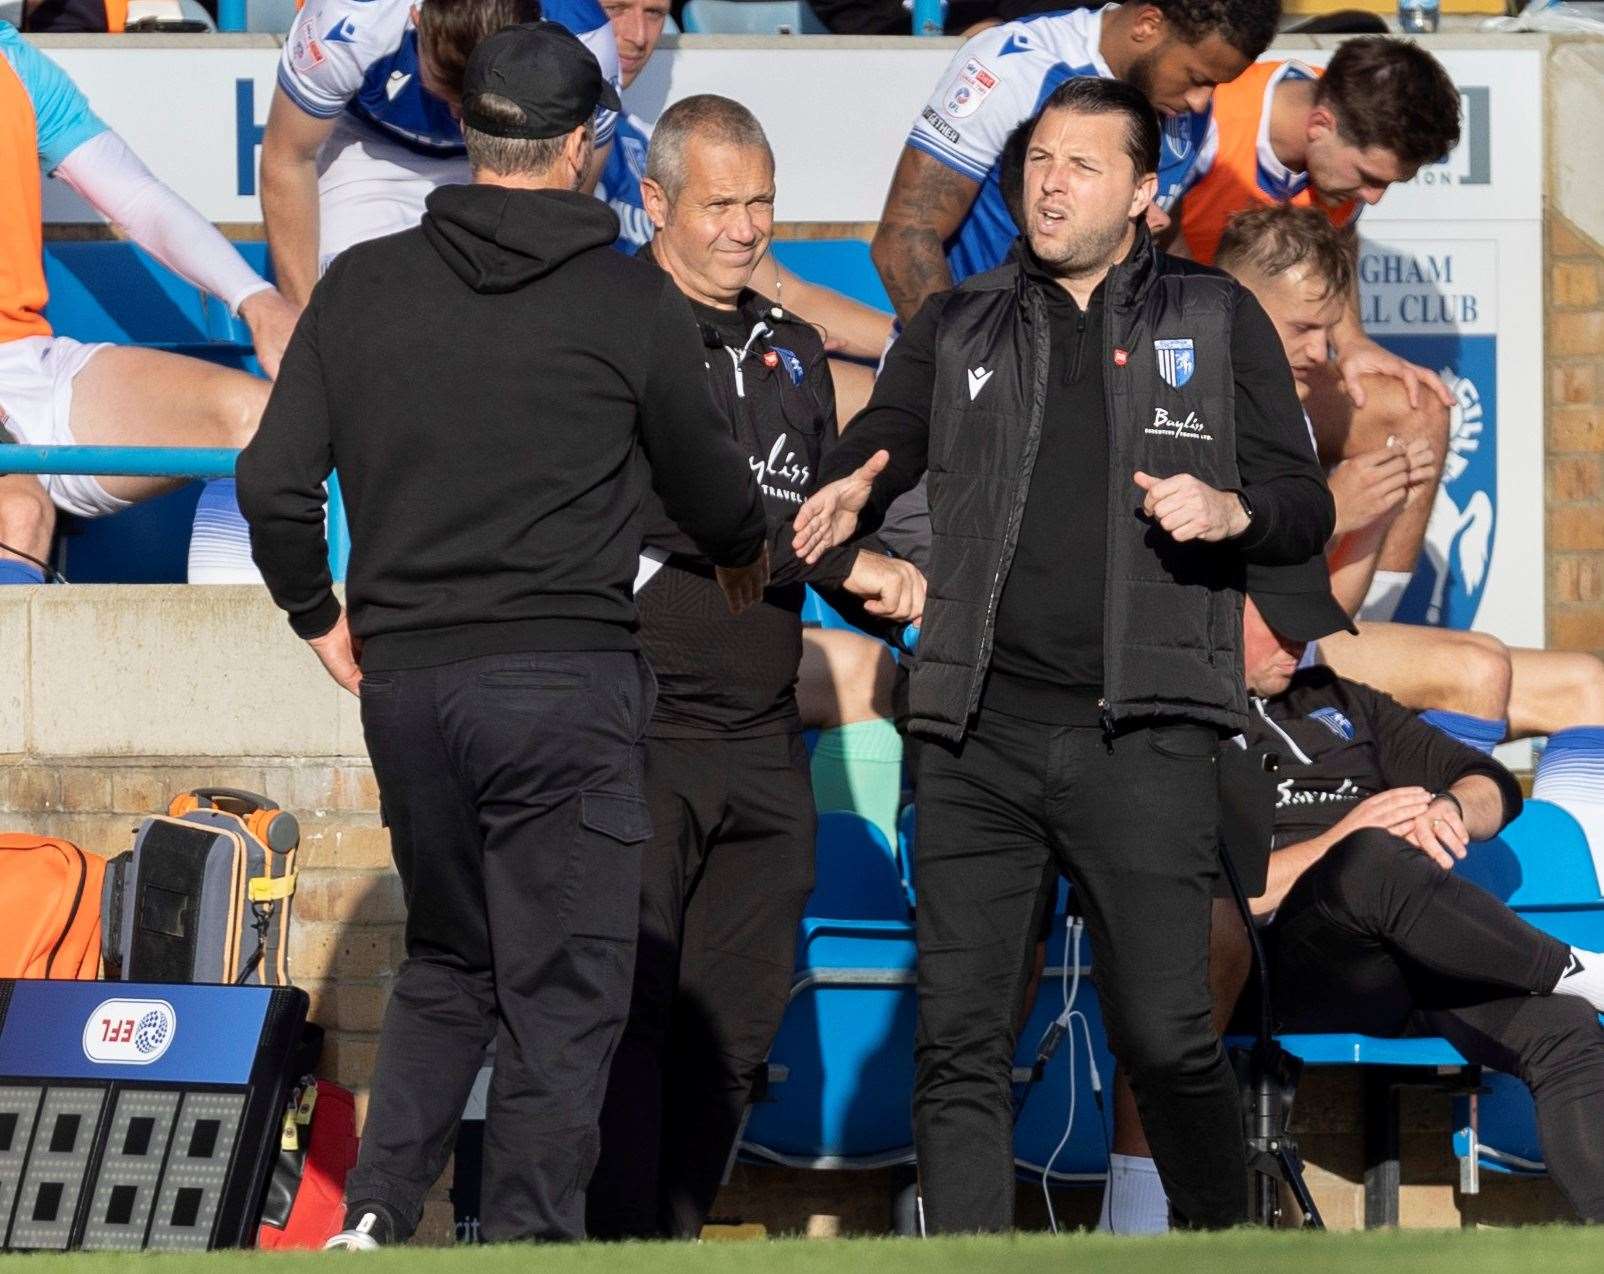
(1339, 742)
(482, 385)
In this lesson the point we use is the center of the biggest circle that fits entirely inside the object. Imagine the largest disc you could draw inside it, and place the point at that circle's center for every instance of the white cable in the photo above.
(1069, 981)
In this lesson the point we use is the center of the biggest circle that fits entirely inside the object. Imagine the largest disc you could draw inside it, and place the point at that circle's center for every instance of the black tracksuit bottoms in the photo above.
(724, 881)
(514, 788)
(1132, 821)
(1375, 937)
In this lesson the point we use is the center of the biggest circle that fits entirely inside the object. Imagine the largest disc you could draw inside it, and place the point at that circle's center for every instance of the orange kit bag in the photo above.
(49, 908)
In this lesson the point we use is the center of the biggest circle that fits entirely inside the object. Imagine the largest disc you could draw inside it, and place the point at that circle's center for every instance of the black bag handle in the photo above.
(251, 801)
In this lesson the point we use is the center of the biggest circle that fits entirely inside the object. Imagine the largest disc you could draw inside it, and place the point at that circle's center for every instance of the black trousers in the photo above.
(1132, 821)
(1375, 937)
(514, 790)
(724, 881)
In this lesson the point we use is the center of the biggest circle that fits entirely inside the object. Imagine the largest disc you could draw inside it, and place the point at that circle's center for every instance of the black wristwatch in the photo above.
(1446, 795)
(1247, 506)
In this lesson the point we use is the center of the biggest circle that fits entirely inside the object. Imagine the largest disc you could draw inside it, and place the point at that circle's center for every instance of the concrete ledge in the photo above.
(164, 671)
(1576, 72)
(14, 675)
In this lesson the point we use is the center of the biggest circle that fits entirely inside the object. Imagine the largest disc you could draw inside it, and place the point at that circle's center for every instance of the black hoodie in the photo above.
(480, 384)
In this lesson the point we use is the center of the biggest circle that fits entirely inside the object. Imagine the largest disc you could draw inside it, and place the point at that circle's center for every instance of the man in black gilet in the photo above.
(1110, 435)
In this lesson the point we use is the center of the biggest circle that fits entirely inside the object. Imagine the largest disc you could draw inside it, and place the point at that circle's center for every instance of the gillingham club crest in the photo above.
(1177, 360)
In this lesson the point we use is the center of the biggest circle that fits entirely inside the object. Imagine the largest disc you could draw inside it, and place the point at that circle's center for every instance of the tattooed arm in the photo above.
(924, 208)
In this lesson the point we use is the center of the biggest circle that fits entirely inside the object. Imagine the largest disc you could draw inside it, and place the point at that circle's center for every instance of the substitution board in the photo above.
(140, 1115)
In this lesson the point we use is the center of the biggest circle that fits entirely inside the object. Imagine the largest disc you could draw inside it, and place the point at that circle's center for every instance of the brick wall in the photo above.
(346, 935)
(1575, 439)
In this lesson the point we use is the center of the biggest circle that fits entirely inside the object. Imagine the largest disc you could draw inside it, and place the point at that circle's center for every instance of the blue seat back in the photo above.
(847, 1092)
(106, 291)
(855, 874)
(751, 17)
(145, 544)
(842, 264)
(1541, 858)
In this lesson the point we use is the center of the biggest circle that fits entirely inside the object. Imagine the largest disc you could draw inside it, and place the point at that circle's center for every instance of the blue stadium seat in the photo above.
(815, 610)
(751, 17)
(855, 874)
(107, 291)
(1370, 1050)
(1540, 859)
(841, 1068)
(842, 264)
(1542, 865)
(1501, 1135)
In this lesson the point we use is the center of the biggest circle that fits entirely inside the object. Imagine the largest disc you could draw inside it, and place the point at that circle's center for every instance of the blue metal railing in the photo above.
(164, 462)
(231, 15)
(125, 462)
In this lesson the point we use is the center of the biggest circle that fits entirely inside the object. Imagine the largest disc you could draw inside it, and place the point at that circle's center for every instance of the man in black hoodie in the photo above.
(482, 385)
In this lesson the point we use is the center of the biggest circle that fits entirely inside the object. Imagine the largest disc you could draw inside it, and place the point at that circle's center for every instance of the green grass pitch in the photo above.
(1534, 1250)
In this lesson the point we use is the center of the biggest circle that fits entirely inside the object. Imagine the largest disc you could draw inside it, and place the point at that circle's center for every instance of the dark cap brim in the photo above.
(1303, 616)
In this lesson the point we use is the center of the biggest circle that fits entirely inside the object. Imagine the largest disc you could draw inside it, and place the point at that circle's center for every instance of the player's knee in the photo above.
(1585, 688)
(1482, 675)
(1427, 420)
(1355, 872)
(27, 517)
(865, 670)
(240, 408)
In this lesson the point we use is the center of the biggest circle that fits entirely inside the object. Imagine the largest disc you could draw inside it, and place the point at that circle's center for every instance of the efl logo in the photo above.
(129, 1032)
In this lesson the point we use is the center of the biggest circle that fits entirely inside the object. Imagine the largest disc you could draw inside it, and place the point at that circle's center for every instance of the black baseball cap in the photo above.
(544, 69)
(1296, 600)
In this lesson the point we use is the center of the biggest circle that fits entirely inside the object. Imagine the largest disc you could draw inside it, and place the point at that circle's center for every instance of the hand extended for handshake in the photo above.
(890, 588)
(1187, 508)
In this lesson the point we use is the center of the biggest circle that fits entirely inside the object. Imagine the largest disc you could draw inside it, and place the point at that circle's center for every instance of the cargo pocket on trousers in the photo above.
(604, 884)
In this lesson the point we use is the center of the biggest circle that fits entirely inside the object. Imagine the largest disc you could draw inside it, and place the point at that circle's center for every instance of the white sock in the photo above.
(220, 541)
(1134, 1201)
(1386, 591)
(1583, 977)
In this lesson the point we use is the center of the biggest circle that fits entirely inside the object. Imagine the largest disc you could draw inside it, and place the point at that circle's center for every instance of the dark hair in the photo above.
(1276, 239)
(450, 30)
(1247, 26)
(1011, 170)
(1093, 95)
(1391, 94)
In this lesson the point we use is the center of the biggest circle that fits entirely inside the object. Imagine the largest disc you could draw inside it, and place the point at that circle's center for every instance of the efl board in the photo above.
(140, 1115)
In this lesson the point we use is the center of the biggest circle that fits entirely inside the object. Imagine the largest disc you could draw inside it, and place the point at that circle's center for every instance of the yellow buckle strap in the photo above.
(269, 889)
